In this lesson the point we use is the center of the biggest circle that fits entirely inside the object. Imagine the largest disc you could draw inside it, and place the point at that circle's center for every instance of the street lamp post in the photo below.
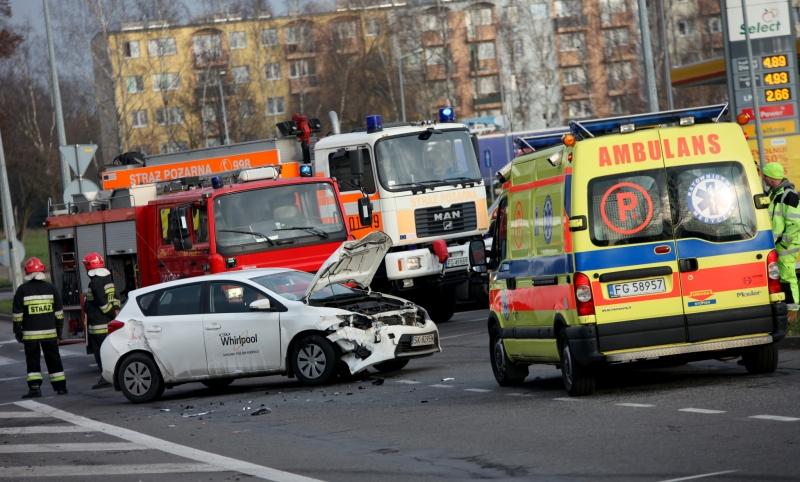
(224, 112)
(400, 69)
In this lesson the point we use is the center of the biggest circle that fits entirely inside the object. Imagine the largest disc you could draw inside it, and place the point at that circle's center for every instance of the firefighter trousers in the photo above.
(95, 342)
(786, 266)
(51, 358)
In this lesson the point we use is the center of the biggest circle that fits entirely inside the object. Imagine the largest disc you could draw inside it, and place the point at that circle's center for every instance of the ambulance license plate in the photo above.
(452, 262)
(635, 288)
(422, 340)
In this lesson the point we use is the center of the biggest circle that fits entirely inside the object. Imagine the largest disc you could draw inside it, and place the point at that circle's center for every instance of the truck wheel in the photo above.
(441, 305)
(506, 372)
(140, 379)
(763, 359)
(391, 365)
(578, 380)
(314, 360)
(218, 383)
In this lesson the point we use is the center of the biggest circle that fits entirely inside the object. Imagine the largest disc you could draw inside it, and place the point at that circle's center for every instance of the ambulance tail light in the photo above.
(114, 326)
(583, 295)
(773, 273)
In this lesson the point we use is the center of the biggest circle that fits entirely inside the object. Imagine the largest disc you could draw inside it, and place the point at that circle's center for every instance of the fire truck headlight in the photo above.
(413, 263)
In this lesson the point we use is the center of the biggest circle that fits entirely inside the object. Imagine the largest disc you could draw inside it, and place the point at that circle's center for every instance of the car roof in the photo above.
(241, 275)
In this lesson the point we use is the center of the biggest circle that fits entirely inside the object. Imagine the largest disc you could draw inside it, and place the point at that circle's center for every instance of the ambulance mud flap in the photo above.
(583, 344)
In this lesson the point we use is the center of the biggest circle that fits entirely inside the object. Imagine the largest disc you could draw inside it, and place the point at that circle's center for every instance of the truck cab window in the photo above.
(200, 224)
(340, 169)
(165, 227)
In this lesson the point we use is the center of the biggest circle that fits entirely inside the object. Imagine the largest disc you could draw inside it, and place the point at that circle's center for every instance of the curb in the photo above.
(789, 343)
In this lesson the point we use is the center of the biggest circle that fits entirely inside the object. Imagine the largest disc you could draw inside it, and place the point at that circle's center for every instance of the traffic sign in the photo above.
(78, 156)
(5, 255)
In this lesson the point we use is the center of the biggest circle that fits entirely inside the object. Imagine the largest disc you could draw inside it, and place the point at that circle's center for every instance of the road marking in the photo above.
(476, 390)
(692, 477)
(638, 405)
(12, 378)
(21, 415)
(463, 334)
(88, 470)
(69, 447)
(408, 382)
(568, 399)
(776, 417)
(42, 429)
(701, 410)
(441, 386)
(222, 462)
(8, 361)
(519, 394)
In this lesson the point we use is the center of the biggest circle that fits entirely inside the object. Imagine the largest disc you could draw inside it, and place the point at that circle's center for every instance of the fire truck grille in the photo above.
(437, 221)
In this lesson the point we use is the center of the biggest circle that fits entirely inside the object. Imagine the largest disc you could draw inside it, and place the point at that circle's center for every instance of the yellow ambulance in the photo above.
(633, 238)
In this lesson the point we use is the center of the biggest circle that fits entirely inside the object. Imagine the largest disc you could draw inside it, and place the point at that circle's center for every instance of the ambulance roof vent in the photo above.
(268, 172)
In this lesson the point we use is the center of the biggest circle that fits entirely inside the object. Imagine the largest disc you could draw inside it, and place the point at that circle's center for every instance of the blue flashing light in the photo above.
(446, 114)
(216, 182)
(305, 170)
(545, 140)
(374, 124)
(606, 126)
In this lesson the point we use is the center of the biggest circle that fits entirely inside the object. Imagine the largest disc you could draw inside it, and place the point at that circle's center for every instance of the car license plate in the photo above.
(452, 262)
(635, 288)
(422, 340)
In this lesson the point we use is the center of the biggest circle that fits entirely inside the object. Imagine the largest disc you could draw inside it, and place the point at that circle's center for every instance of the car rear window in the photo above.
(711, 202)
(629, 208)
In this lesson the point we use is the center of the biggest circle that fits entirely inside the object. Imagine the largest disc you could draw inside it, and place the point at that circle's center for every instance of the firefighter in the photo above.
(784, 209)
(101, 306)
(38, 320)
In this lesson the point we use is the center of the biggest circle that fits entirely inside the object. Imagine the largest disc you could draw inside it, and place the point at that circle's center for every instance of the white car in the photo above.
(214, 329)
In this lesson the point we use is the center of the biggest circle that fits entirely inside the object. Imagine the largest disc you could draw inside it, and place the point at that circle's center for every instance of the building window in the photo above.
(486, 51)
(168, 81)
(173, 147)
(610, 7)
(539, 11)
(796, 14)
(374, 27)
(238, 40)
(568, 8)
(144, 149)
(510, 14)
(207, 47)
(431, 22)
(131, 49)
(302, 68)
(138, 119)
(574, 76)
(343, 30)
(135, 84)
(246, 109)
(298, 35)
(518, 47)
(614, 38)
(570, 42)
(487, 86)
(162, 47)
(618, 74)
(269, 37)
(208, 78)
(713, 25)
(577, 109)
(273, 71)
(617, 106)
(176, 116)
(276, 105)
(435, 56)
(686, 28)
(477, 17)
(241, 75)
(208, 114)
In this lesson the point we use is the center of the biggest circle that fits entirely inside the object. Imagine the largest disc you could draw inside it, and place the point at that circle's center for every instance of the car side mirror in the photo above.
(179, 222)
(260, 305)
(477, 253)
(357, 163)
(365, 211)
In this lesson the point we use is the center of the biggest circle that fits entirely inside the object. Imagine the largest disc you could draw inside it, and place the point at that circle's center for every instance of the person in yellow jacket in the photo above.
(784, 210)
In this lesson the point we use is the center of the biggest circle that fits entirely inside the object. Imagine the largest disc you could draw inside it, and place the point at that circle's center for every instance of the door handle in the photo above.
(154, 329)
(213, 326)
(688, 265)
(511, 283)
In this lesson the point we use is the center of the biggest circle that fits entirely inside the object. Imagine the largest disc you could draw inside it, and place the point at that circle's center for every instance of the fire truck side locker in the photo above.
(64, 275)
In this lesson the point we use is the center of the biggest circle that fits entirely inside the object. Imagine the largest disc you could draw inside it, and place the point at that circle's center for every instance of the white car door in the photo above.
(173, 327)
(239, 340)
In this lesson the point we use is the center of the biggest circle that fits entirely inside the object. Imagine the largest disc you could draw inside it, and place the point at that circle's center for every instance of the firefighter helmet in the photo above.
(34, 265)
(93, 261)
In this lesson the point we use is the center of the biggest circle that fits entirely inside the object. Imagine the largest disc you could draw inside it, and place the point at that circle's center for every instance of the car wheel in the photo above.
(314, 360)
(763, 359)
(140, 379)
(578, 380)
(442, 305)
(218, 383)
(506, 372)
(391, 365)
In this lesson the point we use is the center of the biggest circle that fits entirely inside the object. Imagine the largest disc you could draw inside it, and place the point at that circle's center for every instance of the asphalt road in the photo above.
(643, 424)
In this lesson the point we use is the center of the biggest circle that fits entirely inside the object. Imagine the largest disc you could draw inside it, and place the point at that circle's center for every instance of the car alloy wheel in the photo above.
(137, 378)
(311, 361)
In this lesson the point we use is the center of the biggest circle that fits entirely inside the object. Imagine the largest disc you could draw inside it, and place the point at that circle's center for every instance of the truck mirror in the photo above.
(356, 163)
(477, 253)
(365, 211)
(179, 223)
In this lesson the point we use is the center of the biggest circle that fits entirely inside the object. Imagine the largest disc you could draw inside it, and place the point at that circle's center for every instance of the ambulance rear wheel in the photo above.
(578, 380)
(763, 359)
(506, 372)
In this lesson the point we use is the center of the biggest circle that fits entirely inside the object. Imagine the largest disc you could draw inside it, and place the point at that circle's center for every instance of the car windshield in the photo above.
(293, 285)
(410, 161)
(277, 216)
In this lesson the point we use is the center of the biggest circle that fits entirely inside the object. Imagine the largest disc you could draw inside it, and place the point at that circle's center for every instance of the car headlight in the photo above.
(413, 263)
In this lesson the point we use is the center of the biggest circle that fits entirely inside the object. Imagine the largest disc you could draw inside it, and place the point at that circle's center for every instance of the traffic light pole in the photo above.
(8, 220)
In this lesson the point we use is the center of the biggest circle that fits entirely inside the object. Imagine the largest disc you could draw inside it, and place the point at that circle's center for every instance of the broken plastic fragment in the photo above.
(261, 411)
(188, 415)
(378, 382)
(171, 426)
(165, 410)
(448, 379)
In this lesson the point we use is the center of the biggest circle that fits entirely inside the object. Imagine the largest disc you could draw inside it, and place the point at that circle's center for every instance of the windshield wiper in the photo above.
(252, 233)
(454, 181)
(322, 234)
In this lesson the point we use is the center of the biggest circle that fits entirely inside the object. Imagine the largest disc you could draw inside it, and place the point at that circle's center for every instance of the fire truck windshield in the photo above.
(430, 159)
(269, 218)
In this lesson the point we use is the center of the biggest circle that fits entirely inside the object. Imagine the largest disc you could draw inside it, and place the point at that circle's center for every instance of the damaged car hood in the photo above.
(354, 262)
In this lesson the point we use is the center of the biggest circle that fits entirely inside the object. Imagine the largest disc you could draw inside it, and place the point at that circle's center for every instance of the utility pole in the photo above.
(8, 220)
(751, 69)
(667, 66)
(62, 135)
(647, 50)
(224, 112)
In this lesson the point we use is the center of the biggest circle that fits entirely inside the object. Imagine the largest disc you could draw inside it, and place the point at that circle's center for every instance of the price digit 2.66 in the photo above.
(777, 95)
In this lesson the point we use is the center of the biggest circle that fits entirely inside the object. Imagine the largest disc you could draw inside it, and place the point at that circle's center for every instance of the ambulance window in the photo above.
(502, 232)
(711, 202)
(165, 231)
(200, 224)
(340, 169)
(629, 208)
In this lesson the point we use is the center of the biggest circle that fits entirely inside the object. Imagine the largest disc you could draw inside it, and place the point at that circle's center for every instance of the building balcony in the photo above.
(303, 85)
(300, 51)
(573, 22)
(484, 67)
(210, 60)
(482, 33)
(212, 91)
(482, 100)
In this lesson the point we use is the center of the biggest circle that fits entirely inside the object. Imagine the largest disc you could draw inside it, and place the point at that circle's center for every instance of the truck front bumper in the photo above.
(418, 263)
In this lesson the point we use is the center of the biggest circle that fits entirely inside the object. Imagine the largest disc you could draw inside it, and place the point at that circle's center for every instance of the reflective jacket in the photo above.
(37, 311)
(101, 304)
(784, 210)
